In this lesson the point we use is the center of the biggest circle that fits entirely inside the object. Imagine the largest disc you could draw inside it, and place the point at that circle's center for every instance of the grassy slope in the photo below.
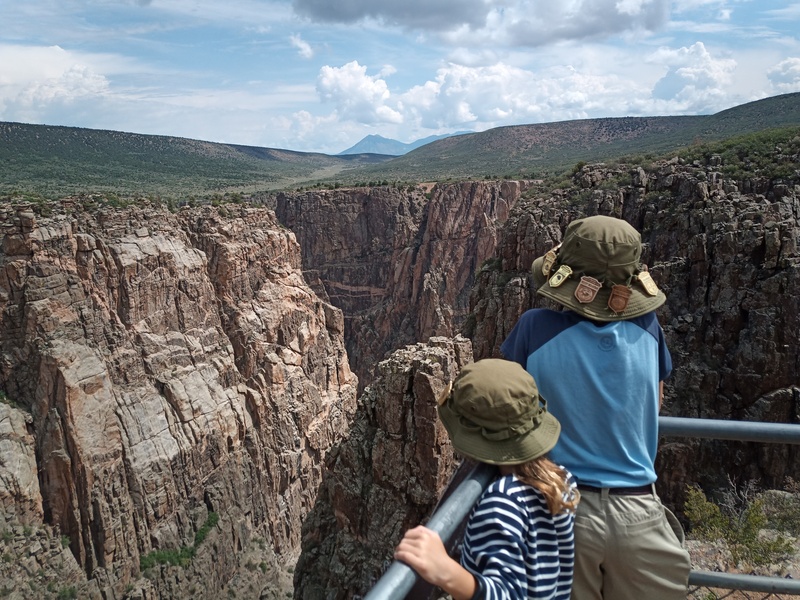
(59, 161)
(533, 149)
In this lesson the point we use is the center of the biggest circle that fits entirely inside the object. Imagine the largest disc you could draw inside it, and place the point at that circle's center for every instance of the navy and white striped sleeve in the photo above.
(493, 547)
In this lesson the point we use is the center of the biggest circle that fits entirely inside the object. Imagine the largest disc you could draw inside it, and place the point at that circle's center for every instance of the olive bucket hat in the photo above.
(597, 271)
(494, 414)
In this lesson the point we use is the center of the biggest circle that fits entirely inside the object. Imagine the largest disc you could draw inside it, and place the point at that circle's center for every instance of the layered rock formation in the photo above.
(159, 368)
(399, 262)
(386, 477)
(164, 368)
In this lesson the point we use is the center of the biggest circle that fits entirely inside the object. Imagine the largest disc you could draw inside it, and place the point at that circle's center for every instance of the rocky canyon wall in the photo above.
(158, 369)
(399, 262)
(725, 252)
(386, 477)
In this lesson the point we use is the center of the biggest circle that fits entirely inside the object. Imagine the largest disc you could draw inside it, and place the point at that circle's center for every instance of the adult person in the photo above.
(519, 540)
(601, 364)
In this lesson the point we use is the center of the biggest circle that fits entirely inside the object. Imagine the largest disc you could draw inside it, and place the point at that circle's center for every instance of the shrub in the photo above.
(578, 167)
(182, 556)
(67, 593)
(782, 509)
(178, 558)
(211, 521)
(740, 523)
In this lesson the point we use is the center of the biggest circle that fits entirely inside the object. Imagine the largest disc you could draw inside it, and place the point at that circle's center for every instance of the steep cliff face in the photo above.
(386, 477)
(164, 367)
(726, 254)
(159, 368)
(399, 263)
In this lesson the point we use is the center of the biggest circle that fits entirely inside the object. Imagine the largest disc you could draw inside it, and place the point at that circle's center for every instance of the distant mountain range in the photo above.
(53, 162)
(377, 144)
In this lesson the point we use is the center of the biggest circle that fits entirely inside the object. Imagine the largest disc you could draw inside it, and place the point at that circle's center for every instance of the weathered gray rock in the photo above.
(387, 476)
(397, 261)
(173, 365)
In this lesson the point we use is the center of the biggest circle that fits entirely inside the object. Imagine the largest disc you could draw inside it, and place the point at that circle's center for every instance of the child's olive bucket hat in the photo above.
(494, 414)
(597, 271)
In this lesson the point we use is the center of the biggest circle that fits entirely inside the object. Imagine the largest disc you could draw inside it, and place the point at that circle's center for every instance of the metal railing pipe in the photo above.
(742, 431)
(746, 583)
(399, 578)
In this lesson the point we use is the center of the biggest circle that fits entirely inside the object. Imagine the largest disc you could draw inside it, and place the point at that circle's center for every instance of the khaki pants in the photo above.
(626, 549)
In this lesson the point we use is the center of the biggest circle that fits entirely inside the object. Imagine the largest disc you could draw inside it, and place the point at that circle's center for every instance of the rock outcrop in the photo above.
(399, 262)
(386, 477)
(179, 382)
(165, 368)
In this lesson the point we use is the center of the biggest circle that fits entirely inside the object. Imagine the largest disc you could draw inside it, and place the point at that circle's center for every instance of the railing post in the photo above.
(399, 578)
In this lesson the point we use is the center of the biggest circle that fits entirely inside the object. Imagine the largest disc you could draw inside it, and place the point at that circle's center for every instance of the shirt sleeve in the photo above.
(494, 547)
(515, 346)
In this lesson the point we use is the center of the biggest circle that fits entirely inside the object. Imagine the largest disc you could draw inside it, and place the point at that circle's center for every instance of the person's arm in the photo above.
(660, 395)
(423, 550)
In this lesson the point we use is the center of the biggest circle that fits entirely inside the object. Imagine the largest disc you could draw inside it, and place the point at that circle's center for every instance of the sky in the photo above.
(320, 75)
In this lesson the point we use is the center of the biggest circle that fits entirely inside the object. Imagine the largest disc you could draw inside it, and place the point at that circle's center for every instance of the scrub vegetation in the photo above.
(47, 162)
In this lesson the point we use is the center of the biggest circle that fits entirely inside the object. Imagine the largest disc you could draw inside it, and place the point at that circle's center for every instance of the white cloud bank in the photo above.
(405, 69)
(785, 76)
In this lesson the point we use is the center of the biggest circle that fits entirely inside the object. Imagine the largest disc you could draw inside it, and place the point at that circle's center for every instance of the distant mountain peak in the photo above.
(377, 144)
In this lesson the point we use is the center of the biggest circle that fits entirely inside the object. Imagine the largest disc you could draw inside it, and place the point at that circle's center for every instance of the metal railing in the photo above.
(399, 578)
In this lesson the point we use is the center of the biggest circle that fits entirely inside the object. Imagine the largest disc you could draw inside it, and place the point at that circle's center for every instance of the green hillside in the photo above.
(548, 147)
(59, 161)
(54, 162)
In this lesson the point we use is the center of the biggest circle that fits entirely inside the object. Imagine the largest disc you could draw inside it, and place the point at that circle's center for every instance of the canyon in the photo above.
(277, 367)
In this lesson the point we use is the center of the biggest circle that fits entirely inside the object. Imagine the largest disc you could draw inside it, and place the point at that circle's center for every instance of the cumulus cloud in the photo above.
(514, 23)
(482, 97)
(77, 82)
(39, 80)
(464, 97)
(532, 23)
(695, 80)
(785, 76)
(418, 14)
(356, 95)
(303, 47)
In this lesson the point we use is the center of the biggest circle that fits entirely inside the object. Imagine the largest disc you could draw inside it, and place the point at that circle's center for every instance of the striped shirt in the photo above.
(515, 548)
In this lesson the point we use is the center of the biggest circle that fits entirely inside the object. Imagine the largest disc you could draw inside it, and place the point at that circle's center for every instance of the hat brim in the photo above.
(469, 441)
(597, 310)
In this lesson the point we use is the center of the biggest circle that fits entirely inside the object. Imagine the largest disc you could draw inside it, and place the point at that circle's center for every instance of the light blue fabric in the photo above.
(601, 381)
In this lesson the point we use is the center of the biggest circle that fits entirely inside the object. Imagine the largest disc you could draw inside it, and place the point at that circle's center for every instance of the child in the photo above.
(601, 363)
(519, 538)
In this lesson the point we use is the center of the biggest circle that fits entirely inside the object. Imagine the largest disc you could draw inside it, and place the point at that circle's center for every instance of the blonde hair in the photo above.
(551, 480)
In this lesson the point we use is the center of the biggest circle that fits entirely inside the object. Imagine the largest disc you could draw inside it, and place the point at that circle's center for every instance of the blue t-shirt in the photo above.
(515, 547)
(601, 381)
